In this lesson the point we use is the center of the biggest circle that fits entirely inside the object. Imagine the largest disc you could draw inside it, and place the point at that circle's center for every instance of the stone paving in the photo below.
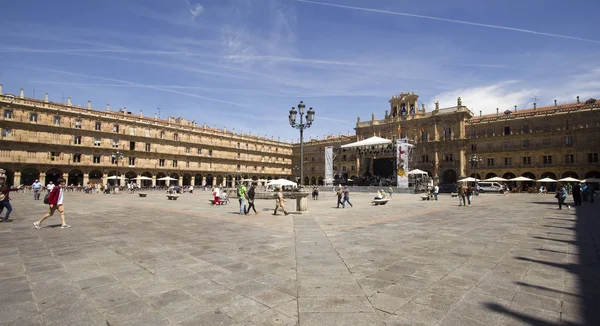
(506, 260)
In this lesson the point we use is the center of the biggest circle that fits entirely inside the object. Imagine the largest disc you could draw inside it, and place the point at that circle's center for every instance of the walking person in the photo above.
(191, 190)
(242, 198)
(346, 197)
(251, 194)
(37, 187)
(436, 191)
(50, 186)
(279, 202)
(462, 193)
(340, 194)
(561, 195)
(55, 201)
(390, 191)
(5, 198)
(469, 193)
(576, 191)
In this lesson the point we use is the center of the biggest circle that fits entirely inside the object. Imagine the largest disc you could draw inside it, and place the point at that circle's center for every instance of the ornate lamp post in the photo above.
(117, 155)
(474, 159)
(310, 116)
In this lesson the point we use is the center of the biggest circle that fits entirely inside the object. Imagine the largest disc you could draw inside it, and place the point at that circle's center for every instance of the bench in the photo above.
(142, 194)
(454, 194)
(379, 202)
(221, 202)
(172, 197)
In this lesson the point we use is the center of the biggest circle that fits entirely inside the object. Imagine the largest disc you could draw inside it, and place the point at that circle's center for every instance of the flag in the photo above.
(399, 129)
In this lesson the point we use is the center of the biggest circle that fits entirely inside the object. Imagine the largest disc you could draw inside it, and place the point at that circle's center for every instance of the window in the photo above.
(569, 140)
(508, 161)
(187, 150)
(147, 147)
(238, 145)
(96, 159)
(77, 140)
(490, 132)
(448, 157)
(174, 163)
(547, 159)
(78, 124)
(490, 162)
(132, 146)
(98, 126)
(210, 152)
(506, 131)
(425, 158)
(56, 120)
(132, 131)
(175, 136)
(33, 117)
(526, 160)
(76, 158)
(526, 129)
(97, 141)
(525, 143)
(54, 156)
(569, 159)
(238, 168)
(8, 114)
(199, 151)
(507, 144)
(256, 168)
(116, 128)
(187, 164)
(473, 133)
(353, 168)
(344, 168)
(473, 148)
(343, 157)
(131, 161)
(592, 157)
(113, 160)
(546, 127)
(6, 132)
(239, 155)
(147, 132)
(162, 134)
(161, 162)
(115, 143)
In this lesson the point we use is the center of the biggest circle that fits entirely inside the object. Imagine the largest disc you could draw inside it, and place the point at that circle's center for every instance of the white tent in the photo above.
(369, 142)
(591, 180)
(144, 178)
(495, 179)
(113, 177)
(546, 180)
(521, 179)
(469, 179)
(569, 179)
(417, 172)
(282, 182)
(166, 179)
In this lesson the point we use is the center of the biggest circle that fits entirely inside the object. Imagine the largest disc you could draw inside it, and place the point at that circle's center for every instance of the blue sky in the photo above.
(244, 63)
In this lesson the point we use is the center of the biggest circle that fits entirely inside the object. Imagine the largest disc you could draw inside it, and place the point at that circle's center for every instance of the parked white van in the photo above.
(489, 187)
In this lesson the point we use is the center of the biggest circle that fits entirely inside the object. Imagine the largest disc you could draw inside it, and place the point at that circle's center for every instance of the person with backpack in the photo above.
(55, 200)
(242, 195)
(346, 197)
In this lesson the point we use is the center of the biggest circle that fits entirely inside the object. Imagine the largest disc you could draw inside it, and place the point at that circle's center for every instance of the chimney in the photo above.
(497, 111)
(154, 116)
(124, 110)
(555, 103)
(141, 115)
(22, 95)
(89, 104)
(480, 114)
(46, 97)
(0, 89)
(515, 109)
(577, 96)
(107, 107)
(69, 101)
(534, 106)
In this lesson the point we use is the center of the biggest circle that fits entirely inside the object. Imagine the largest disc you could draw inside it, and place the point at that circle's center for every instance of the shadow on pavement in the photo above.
(586, 270)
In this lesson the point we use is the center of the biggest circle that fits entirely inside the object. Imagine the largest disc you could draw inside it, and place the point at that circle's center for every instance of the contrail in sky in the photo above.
(506, 28)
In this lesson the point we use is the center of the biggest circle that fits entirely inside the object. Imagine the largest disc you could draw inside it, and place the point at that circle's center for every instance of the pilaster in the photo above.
(86, 178)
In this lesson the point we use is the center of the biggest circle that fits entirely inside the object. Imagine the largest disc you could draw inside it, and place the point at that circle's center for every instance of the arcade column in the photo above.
(154, 181)
(214, 181)
(104, 179)
(193, 181)
(86, 178)
(436, 165)
(463, 160)
(180, 181)
(43, 178)
(203, 180)
(17, 179)
(233, 182)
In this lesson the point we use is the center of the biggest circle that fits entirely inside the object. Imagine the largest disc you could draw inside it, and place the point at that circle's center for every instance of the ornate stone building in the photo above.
(345, 164)
(45, 140)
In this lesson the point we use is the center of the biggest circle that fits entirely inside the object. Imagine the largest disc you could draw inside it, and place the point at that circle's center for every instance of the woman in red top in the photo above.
(55, 200)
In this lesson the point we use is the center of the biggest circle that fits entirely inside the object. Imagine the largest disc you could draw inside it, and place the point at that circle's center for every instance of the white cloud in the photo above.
(196, 10)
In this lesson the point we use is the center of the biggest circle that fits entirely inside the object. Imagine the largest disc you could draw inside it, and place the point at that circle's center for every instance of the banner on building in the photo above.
(329, 165)
(402, 148)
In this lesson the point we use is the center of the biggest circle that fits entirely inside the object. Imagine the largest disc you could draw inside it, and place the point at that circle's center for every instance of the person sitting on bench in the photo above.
(379, 195)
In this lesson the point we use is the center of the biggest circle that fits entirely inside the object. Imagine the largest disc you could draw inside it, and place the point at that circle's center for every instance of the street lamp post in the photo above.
(310, 116)
(474, 159)
(117, 155)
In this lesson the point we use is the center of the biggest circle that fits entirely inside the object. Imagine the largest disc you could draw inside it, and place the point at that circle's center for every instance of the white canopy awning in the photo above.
(145, 178)
(166, 179)
(569, 179)
(369, 142)
(469, 179)
(546, 180)
(521, 179)
(282, 182)
(495, 179)
(417, 172)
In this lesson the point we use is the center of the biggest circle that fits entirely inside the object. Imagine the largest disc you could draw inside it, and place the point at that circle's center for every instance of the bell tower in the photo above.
(403, 105)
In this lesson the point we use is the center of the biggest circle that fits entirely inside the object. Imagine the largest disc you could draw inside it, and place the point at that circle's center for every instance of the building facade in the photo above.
(45, 140)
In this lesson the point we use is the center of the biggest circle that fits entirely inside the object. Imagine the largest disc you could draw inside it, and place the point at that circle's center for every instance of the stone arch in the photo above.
(29, 175)
(313, 180)
(550, 175)
(131, 175)
(474, 175)
(187, 179)
(146, 183)
(529, 175)
(160, 182)
(592, 174)
(95, 176)
(321, 183)
(209, 180)
(198, 179)
(509, 175)
(306, 180)
(220, 180)
(147, 174)
(75, 178)
(449, 176)
(570, 174)
(229, 182)
(53, 175)
(490, 175)
(10, 176)
(174, 176)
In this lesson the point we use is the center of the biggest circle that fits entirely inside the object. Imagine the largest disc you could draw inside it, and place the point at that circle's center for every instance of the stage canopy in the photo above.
(373, 141)
(417, 172)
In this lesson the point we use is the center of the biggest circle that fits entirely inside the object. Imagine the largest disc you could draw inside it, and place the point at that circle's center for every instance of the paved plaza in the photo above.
(506, 260)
